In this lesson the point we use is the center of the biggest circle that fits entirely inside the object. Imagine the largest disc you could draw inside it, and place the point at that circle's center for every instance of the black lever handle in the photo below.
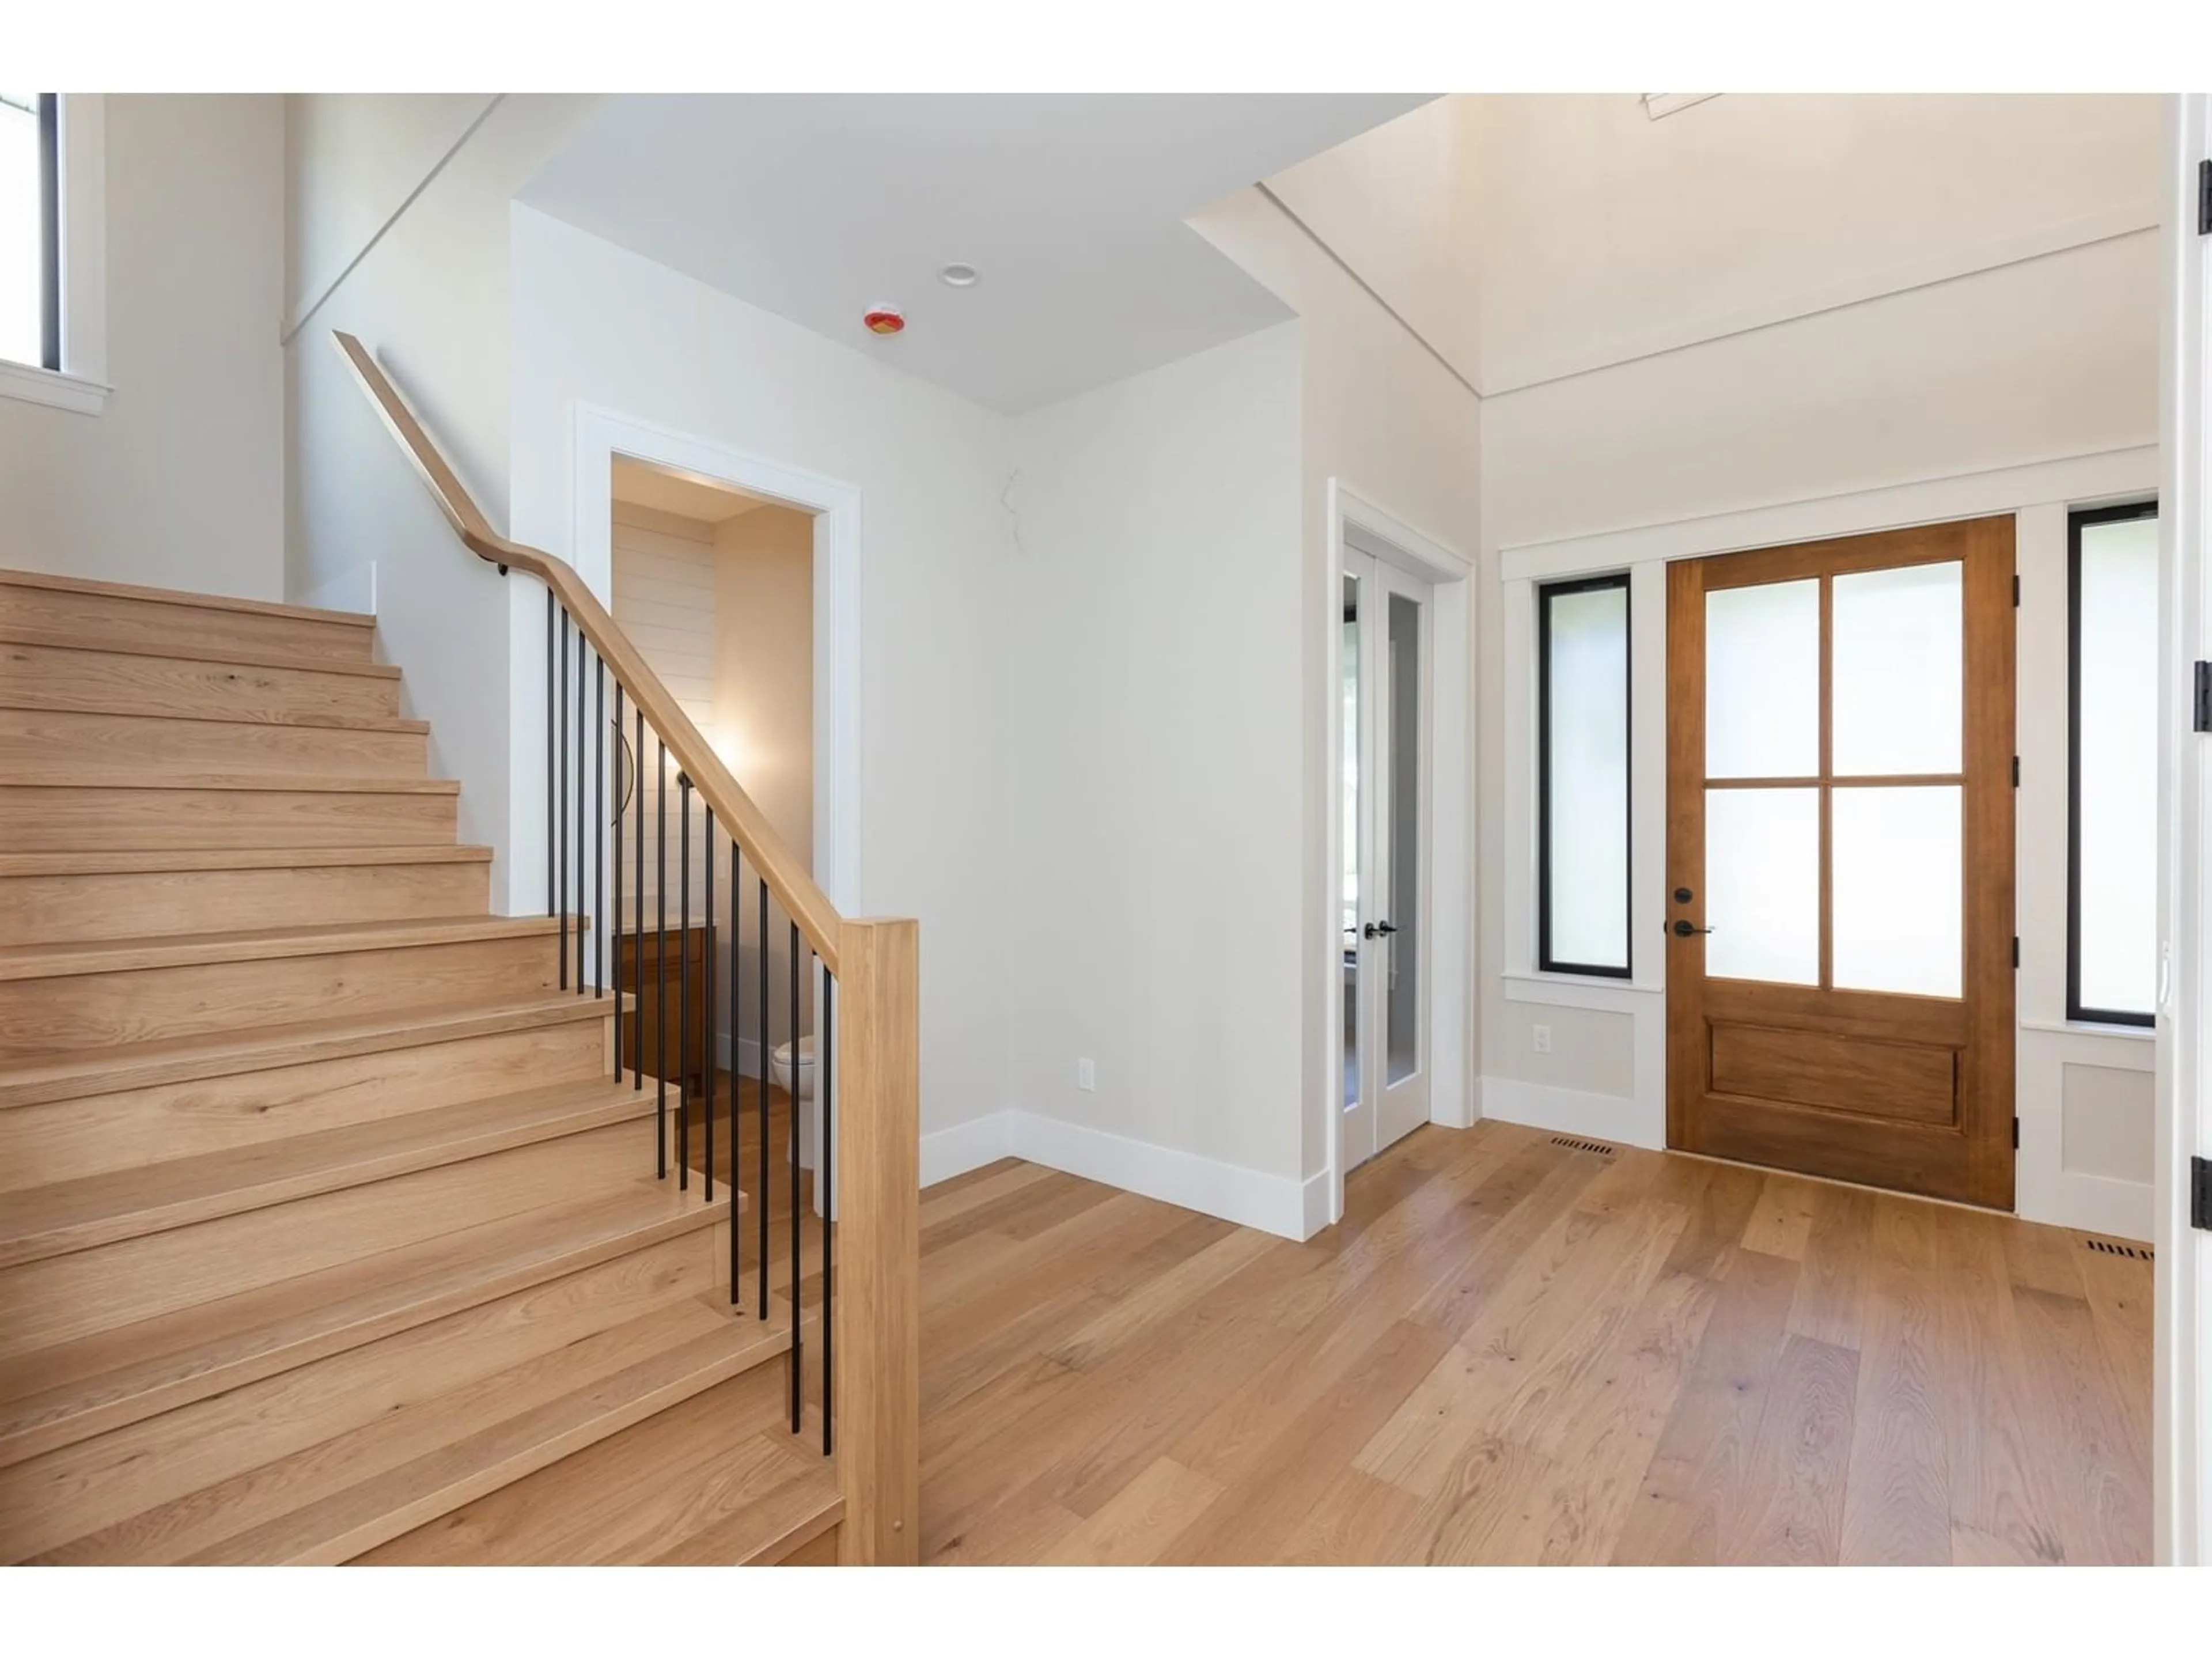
(1683, 930)
(1378, 929)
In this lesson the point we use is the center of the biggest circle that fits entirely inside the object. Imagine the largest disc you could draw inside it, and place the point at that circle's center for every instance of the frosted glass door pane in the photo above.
(1899, 902)
(2116, 749)
(1763, 681)
(1586, 734)
(1763, 885)
(1349, 890)
(1898, 662)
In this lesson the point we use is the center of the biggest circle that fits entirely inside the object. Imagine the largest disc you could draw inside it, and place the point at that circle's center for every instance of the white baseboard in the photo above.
(963, 1146)
(1617, 1118)
(1274, 1203)
(1314, 1194)
(749, 1059)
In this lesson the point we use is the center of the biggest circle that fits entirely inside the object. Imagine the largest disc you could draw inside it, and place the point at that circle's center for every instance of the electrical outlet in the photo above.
(1086, 1076)
(1540, 1038)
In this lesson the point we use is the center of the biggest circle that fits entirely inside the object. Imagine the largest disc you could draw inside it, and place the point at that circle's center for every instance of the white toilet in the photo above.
(801, 1091)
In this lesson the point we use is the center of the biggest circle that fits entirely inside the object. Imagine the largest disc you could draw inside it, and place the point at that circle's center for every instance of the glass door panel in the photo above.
(1402, 948)
(1763, 681)
(1763, 885)
(1899, 643)
(1897, 901)
(1354, 818)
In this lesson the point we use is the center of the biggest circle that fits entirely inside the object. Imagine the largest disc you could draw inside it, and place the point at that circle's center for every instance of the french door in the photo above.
(1385, 879)
(1839, 845)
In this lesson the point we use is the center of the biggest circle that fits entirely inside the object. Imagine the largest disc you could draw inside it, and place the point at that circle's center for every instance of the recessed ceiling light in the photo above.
(959, 276)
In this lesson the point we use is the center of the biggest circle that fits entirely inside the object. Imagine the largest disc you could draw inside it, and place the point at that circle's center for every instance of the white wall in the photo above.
(1153, 666)
(1380, 413)
(430, 298)
(179, 481)
(592, 324)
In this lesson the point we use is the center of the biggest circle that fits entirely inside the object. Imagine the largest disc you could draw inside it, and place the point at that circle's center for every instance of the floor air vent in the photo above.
(2113, 1247)
(1576, 1146)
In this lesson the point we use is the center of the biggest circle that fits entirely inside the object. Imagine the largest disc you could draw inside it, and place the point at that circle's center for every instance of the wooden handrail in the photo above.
(794, 887)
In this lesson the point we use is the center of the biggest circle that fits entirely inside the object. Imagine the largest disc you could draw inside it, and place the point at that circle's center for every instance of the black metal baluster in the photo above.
(736, 1137)
(707, 1032)
(560, 816)
(683, 984)
(798, 1380)
(583, 804)
(825, 1166)
(599, 832)
(614, 940)
(660, 964)
(637, 938)
(760, 1099)
(552, 814)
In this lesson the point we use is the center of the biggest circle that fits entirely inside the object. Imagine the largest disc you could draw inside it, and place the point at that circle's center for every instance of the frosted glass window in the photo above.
(23, 251)
(1898, 649)
(1583, 893)
(1763, 885)
(1763, 681)
(1898, 902)
(2114, 971)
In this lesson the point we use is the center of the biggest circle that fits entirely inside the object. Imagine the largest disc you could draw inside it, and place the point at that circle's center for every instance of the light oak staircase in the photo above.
(325, 1220)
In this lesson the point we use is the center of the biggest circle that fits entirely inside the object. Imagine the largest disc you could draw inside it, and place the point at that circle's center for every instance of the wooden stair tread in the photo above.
(184, 648)
(55, 1219)
(73, 1075)
(303, 720)
(56, 1396)
(334, 1500)
(260, 944)
(177, 595)
(718, 1479)
(276, 783)
(154, 861)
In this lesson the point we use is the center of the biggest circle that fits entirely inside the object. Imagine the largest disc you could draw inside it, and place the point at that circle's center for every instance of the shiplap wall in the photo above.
(664, 592)
(663, 580)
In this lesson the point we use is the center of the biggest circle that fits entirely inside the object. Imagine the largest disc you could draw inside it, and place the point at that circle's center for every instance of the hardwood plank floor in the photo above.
(1511, 1351)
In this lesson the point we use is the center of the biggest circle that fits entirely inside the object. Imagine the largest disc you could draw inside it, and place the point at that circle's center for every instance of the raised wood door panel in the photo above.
(685, 946)
(1909, 1090)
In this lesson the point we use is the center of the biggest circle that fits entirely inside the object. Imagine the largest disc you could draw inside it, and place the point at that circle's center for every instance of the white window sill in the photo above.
(53, 388)
(2093, 1029)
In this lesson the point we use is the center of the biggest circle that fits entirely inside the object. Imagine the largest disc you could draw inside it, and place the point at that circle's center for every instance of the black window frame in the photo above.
(1545, 592)
(50, 230)
(2076, 519)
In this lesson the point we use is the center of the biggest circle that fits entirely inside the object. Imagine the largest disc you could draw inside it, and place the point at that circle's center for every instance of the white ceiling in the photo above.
(643, 485)
(817, 207)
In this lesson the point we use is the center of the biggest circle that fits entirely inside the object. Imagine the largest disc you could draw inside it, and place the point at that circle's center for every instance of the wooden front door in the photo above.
(1840, 858)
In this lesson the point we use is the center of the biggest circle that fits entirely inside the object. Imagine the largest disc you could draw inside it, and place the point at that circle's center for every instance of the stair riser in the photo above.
(65, 1297)
(65, 909)
(101, 617)
(61, 744)
(49, 676)
(78, 1012)
(65, 1140)
(79, 1489)
(62, 819)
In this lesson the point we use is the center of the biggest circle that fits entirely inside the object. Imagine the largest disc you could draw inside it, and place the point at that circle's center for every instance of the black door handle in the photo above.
(1378, 929)
(1683, 930)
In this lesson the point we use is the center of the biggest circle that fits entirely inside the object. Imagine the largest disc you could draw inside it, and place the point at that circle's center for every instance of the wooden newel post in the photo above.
(878, 1291)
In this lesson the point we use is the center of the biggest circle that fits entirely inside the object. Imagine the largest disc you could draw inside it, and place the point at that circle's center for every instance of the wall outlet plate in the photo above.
(1540, 1038)
(1086, 1076)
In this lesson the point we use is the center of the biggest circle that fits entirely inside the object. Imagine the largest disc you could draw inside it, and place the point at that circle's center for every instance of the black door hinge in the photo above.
(2015, 1134)
(2016, 771)
(2205, 199)
(2202, 718)
(2016, 592)
(2200, 1192)
(2015, 950)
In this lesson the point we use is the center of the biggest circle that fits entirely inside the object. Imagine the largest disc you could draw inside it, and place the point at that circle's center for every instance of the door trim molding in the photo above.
(1355, 519)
